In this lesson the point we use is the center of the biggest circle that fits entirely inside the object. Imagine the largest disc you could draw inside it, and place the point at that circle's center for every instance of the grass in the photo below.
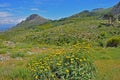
(18, 73)
(17, 54)
(59, 35)
(108, 69)
(14, 70)
(107, 61)
(106, 53)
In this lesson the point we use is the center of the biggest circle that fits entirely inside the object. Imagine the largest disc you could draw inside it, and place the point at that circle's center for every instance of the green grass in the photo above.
(107, 61)
(108, 69)
(17, 73)
(17, 54)
(107, 53)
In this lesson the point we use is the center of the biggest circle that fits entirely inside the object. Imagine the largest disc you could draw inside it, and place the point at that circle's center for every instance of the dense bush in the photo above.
(62, 66)
(113, 42)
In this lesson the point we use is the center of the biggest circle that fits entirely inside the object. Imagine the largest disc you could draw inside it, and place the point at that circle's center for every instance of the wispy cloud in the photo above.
(7, 18)
(4, 5)
(5, 14)
(39, 10)
(10, 20)
(34, 9)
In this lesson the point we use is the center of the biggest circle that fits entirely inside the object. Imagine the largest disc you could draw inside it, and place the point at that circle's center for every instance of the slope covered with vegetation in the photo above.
(79, 47)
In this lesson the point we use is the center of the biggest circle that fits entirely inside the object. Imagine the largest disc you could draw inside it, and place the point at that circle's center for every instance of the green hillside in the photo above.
(84, 46)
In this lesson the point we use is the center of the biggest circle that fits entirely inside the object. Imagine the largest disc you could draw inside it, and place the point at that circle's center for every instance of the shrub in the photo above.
(62, 66)
(113, 42)
(100, 43)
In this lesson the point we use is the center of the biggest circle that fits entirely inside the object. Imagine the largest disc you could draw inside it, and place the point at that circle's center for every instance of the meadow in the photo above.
(66, 49)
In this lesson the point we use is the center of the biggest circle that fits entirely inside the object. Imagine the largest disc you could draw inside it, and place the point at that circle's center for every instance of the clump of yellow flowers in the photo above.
(73, 64)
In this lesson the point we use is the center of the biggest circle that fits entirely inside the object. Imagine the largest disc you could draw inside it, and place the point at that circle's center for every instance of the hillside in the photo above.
(79, 47)
(33, 21)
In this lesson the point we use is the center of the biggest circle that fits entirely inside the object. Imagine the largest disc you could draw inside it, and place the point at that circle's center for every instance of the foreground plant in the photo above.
(63, 66)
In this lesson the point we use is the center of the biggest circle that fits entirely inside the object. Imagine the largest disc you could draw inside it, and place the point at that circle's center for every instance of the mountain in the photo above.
(97, 9)
(36, 18)
(116, 9)
(32, 21)
(78, 27)
(99, 12)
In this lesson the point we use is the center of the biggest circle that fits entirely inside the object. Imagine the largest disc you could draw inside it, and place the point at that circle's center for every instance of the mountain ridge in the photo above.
(35, 19)
(116, 9)
(31, 21)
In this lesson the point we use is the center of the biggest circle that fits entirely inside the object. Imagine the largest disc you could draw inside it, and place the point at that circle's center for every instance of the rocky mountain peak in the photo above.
(33, 16)
(32, 20)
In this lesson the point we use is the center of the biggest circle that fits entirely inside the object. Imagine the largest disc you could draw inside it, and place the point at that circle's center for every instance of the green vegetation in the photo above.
(113, 42)
(62, 65)
(79, 47)
(17, 54)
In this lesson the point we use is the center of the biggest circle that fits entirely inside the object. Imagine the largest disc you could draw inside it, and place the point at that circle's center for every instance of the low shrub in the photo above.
(113, 42)
(62, 66)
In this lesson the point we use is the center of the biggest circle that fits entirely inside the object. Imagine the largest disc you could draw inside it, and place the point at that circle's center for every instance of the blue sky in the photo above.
(14, 11)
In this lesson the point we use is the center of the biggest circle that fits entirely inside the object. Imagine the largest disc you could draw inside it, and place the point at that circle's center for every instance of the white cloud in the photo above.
(10, 20)
(34, 9)
(4, 5)
(7, 18)
(5, 14)
(19, 20)
(6, 21)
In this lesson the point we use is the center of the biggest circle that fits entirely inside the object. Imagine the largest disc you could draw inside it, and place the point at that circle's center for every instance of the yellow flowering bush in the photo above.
(62, 66)
(113, 42)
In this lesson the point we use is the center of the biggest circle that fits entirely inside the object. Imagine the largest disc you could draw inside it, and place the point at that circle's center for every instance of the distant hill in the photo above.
(83, 26)
(32, 21)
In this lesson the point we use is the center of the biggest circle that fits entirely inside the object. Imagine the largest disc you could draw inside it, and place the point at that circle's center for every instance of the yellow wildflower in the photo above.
(58, 64)
(72, 62)
(80, 60)
(84, 59)
(36, 77)
(67, 56)
(52, 75)
(71, 59)
(67, 70)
